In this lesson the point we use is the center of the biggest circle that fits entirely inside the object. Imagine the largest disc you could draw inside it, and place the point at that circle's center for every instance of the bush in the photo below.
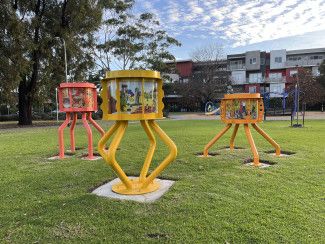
(10, 117)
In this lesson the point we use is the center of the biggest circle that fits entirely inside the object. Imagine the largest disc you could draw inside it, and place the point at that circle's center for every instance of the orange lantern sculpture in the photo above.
(73, 98)
(246, 109)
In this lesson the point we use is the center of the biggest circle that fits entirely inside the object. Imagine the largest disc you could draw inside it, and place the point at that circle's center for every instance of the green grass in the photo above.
(214, 200)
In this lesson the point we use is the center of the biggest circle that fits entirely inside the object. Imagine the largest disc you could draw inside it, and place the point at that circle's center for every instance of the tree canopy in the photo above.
(32, 34)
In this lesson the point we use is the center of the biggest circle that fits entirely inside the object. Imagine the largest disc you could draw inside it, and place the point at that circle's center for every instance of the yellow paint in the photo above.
(143, 76)
(145, 183)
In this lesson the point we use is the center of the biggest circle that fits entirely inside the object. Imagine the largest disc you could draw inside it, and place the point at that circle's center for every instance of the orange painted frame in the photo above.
(242, 97)
(77, 85)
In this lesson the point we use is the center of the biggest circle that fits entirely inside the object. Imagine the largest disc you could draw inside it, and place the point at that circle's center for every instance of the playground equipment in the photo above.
(73, 98)
(211, 109)
(242, 109)
(134, 95)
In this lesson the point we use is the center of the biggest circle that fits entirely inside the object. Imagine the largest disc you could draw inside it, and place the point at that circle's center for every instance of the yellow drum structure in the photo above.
(134, 95)
(246, 109)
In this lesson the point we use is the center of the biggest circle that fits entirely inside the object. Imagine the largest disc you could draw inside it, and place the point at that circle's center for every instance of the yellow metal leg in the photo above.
(220, 134)
(232, 140)
(252, 144)
(151, 150)
(142, 184)
(109, 156)
(268, 138)
(171, 156)
(102, 142)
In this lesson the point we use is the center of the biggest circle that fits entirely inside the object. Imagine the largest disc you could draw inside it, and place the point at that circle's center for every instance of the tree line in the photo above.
(97, 34)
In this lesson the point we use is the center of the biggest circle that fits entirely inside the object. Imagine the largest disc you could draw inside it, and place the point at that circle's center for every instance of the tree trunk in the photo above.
(24, 105)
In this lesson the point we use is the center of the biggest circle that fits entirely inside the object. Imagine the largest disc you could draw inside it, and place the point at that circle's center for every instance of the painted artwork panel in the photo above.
(111, 97)
(78, 95)
(150, 97)
(65, 98)
(130, 96)
(254, 112)
(89, 98)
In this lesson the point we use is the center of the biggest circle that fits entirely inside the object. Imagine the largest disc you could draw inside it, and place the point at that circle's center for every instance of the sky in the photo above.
(240, 25)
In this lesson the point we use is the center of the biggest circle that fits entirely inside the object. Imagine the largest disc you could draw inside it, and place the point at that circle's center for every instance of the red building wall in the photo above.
(184, 68)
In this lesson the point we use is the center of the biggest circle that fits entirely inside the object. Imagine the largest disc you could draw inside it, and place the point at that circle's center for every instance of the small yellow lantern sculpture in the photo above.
(134, 95)
(243, 109)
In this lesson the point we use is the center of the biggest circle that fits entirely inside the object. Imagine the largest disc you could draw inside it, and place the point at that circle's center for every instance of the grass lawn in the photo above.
(214, 200)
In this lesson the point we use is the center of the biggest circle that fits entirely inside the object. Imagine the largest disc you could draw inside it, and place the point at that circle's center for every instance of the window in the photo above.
(262, 61)
(252, 89)
(275, 76)
(255, 78)
(252, 61)
(294, 58)
(316, 57)
(277, 88)
(238, 64)
(278, 60)
(292, 73)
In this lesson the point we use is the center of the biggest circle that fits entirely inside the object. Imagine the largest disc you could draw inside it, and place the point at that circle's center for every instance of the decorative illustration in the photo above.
(111, 97)
(150, 97)
(130, 94)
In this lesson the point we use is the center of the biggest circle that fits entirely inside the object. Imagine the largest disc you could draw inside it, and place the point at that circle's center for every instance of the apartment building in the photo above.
(274, 71)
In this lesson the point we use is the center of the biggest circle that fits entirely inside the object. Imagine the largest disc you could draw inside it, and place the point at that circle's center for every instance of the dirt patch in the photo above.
(210, 154)
(283, 153)
(262, 161)
(160, 236)
(235, 148)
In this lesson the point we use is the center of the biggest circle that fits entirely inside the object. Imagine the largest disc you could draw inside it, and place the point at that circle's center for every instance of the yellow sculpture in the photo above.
(134, 95)
(242, 109)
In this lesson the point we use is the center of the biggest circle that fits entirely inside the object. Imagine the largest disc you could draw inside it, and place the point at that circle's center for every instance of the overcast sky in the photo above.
(240, 25)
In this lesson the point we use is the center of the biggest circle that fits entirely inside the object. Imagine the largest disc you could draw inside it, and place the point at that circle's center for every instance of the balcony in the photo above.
(275, 80)
(303, 62)
(236, 67)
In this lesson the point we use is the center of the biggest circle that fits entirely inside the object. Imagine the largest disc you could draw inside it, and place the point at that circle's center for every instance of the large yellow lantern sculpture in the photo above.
(134, 95)
(246, 109)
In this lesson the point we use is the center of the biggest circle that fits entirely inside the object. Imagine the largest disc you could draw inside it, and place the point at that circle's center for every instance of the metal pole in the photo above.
(65, 61)
(57, 105)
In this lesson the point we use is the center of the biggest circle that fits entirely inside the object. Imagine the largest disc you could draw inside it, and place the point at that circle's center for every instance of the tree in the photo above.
(210, 79)
(312, 92)
(30, 46)
(321, 77)
(134, 42)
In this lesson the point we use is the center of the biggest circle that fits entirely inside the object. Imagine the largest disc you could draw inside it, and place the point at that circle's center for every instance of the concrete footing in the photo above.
(106, 191)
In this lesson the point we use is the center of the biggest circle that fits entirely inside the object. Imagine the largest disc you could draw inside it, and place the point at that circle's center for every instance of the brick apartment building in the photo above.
(260, 71)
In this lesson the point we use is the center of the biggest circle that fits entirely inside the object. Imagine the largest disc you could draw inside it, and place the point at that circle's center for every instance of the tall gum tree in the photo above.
(31, 50)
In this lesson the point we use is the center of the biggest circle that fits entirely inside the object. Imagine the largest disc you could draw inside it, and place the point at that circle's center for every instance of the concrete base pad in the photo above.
(281, 155)
(106, 191)
(58, 158)
(93, 159)
(262, 165)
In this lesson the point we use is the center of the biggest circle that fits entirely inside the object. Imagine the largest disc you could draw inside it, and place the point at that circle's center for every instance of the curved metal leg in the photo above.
(268, 138)
(252, 144)
(210, 144)
(121, 127)
(151, 149)
(73, 125)
(61, 137)
(102, 142)
(89, 135)
(232, 140)
(97, 126)
(171, 156)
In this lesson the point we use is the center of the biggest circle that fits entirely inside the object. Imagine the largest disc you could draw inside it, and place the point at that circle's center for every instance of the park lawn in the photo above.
(217, 199)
